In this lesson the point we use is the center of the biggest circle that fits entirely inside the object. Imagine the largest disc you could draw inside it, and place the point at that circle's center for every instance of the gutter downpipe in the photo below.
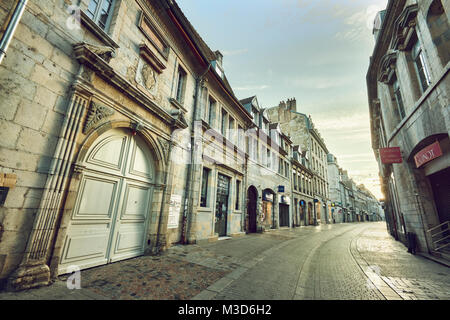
(188, 202)
(11, 27)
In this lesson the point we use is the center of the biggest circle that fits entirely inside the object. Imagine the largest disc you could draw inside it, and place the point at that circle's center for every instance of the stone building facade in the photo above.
(408, 88)
(268, 181)
(302, 132)
(336, 190)
(302, 191)
(102, 114)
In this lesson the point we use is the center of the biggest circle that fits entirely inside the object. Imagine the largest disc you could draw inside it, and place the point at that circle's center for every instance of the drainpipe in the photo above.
(190, 173)
(11, 27)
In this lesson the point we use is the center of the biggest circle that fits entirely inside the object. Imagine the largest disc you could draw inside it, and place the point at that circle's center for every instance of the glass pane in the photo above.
(103, 19)
(416, 49)
(92, 8)
(106, 5)
(204, 192)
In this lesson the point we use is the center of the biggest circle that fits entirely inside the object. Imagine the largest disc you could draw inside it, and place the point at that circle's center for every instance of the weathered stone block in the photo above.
(30, 114)
(45, 97)
(18, 159)
(36, 142)
(8, 106)
(10, 133)
(36, 43)
(19, 220)
(16, 197)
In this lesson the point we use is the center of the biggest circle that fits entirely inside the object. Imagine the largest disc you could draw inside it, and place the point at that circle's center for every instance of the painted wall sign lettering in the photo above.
(174, 211)
(427, 154)
(391, 155)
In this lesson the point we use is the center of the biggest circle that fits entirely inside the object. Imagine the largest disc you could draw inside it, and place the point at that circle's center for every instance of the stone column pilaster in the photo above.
(34, 269)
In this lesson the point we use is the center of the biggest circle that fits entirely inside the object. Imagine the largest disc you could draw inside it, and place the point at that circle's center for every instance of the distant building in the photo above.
(268, 186)
(302, 191)
(302, 132)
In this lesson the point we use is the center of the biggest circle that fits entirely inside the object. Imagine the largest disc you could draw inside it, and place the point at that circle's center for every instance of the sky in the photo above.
(316, 51)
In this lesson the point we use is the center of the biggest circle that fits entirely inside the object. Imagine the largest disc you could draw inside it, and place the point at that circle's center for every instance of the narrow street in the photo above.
(332, 262)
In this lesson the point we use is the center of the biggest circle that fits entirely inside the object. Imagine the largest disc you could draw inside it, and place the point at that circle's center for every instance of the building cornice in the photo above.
(97, 59)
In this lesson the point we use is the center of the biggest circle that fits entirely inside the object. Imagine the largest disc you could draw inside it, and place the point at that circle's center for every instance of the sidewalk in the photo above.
(180, 273)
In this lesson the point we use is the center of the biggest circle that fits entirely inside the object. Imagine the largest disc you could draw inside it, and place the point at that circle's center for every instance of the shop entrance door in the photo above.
(223, 190)
(440, 183)
(284, 215)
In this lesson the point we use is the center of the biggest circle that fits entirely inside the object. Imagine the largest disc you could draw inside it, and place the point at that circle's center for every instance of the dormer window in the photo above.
(217, 64)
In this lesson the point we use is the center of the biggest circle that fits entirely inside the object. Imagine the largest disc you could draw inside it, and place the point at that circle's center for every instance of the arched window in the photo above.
(439, 29)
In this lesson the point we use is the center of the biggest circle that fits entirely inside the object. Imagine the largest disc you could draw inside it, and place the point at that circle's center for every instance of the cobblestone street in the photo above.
(339, 262)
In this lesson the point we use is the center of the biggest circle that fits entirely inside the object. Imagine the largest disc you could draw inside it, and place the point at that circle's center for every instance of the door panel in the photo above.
(140, 162)
(135, 202)
(85, 246)
(129, 241)
(109, 152)
(97, 197)
(131, 223)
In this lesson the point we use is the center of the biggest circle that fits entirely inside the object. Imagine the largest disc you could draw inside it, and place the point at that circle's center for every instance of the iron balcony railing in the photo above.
(440, 236)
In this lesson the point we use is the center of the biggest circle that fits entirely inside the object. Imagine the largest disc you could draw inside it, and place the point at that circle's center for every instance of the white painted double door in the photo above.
(110, 217)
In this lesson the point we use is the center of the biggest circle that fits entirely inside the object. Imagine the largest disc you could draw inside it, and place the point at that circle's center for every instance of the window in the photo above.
(294, 177)
(438, 25)
(286, 170)
(231, 133)
(399, 100)
(204, 191)
(280, 166)
(268, 159)
(253, 148)
(240, 137)
(224, 122)
(274, 161)
(212, 112)
(100, 12)
(181, 85)
(421, 66)
(238, 191)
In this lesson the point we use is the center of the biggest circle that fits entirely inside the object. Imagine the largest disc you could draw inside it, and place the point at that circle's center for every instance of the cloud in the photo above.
(234, 52)
(250, 87)
(359, 24)
(318, 82)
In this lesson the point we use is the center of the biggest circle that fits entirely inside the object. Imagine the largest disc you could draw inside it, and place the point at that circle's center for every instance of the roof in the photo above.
(247, 100)
(273, 125)
(202, 46)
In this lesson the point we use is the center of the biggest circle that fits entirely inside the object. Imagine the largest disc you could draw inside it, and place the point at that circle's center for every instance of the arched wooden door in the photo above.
(111, 212)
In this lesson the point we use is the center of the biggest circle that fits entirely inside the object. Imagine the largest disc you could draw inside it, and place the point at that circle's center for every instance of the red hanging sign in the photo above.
(391, 155)
(427, 154)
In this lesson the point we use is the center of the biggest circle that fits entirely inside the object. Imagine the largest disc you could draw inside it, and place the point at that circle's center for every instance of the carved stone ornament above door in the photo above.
(96, 113)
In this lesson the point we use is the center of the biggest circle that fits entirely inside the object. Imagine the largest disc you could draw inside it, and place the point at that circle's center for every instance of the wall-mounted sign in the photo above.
(280, 188)
(285, 199)
(268, 197)
(174, 211)
(391, 155)
(427, 154)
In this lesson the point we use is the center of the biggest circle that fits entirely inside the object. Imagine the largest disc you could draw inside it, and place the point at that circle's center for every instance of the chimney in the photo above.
(292, 105)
